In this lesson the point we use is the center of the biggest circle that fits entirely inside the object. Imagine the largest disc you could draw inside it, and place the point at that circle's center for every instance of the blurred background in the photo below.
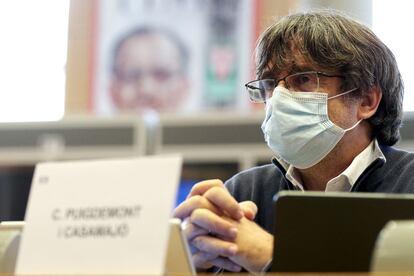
(83, 79)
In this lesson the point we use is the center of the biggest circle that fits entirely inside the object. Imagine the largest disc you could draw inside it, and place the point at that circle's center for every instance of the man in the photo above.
(149, 71)
(333, 97)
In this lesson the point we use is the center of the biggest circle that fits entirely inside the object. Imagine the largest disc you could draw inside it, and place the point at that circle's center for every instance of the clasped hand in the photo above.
(221, 231)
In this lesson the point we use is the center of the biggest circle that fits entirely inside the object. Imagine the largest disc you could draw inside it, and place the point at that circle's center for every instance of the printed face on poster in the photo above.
(172, 56)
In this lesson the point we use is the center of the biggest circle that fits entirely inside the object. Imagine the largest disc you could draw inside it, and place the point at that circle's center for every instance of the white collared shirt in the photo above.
(346, 180)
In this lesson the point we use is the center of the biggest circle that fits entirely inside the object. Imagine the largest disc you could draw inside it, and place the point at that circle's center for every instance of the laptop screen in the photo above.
(332, 232)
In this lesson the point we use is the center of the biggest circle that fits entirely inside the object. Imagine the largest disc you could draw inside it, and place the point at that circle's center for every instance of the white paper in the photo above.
(99, 217)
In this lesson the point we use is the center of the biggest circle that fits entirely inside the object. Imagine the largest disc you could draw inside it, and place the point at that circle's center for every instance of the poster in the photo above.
(172, 55)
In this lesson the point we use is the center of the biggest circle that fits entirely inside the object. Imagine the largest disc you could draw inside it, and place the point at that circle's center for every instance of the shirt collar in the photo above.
(344, 181)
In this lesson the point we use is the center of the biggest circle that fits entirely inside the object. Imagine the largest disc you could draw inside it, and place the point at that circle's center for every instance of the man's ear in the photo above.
(369, 103)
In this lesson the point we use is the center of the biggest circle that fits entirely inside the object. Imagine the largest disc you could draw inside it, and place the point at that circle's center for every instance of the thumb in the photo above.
(249, 209)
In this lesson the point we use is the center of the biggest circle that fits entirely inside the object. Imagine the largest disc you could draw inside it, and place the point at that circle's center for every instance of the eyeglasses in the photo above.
(261, 90)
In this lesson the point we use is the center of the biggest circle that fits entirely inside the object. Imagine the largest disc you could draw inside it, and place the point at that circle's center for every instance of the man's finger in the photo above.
(211, 222)
(249, 209)
(225, 263)
(215, 246)
(206, 260)
(196, 202)
(203, 186)
(191, 231)
(205, 256)
(199, 262)
(221, 198)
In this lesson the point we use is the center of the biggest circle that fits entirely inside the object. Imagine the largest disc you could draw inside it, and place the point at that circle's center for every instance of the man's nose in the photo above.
(282, 83)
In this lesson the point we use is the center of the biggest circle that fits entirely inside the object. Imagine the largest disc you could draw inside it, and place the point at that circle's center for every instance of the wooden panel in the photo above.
(78, 68)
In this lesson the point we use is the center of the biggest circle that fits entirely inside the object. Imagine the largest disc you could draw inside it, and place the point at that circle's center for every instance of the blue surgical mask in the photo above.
(297, 127)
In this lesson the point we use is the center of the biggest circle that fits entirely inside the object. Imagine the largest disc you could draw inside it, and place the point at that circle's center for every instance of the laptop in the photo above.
(332, 232)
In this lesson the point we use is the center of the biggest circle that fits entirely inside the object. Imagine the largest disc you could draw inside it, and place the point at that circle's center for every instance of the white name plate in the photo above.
(99, 217)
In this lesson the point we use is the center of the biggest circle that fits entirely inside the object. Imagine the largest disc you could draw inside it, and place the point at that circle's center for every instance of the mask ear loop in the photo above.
(354, 126)
(344, 93)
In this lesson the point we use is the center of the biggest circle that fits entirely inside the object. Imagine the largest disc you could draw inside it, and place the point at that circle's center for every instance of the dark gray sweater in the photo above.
(260, 184)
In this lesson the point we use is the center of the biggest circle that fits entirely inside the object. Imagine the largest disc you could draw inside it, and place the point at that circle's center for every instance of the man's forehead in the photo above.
(287, 69)
(297, 63)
